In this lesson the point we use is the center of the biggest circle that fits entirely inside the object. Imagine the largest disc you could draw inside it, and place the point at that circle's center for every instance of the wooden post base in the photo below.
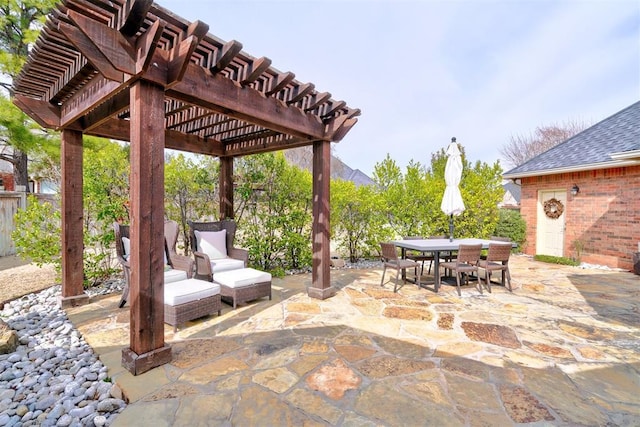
(321, 294)
(141, 363)
(74, 301)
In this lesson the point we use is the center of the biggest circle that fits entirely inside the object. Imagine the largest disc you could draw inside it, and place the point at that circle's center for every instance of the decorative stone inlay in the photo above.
(171, 391)
(522, 406)
(211, 371)
(457, 349)
(277, 358)
(591, 353)
(401, 348)
(278, 379)
(407, 313)
(430, 392)
(549, 350)
(354, 340)
(258, 405)
(437, 299)
(387, 407)
(294, 319)
(314, 347)
(306, 363)
(193, 410)
(315, 405)
(560, 394)
(334, 380)
(410, 303)
(492, 334)
(534, 287)
(303, 307)
(587, 331)
(353, 353)
(186, 354)
(445, 320)
(381, 294)
(368, 306)
(466, 367)
(386, 366)
(354, 293)
(526, 359)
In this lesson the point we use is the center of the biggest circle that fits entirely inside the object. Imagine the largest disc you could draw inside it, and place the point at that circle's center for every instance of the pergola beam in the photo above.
(224, 96)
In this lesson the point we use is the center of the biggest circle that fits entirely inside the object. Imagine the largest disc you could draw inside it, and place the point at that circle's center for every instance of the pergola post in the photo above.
(72, 242)
(226, 188)
(146, 292)
(321, 279)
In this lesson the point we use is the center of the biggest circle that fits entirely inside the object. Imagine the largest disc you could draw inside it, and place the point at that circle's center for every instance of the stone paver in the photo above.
(562, 349)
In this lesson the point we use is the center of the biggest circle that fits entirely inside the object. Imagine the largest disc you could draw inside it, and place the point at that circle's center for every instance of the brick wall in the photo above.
(604, 216)
(7, 181)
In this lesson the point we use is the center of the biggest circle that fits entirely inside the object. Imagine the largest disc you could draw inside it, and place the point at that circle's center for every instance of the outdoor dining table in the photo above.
(436, 246)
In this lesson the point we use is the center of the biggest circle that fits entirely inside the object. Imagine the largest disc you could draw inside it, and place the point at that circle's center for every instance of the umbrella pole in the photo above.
(451, 228)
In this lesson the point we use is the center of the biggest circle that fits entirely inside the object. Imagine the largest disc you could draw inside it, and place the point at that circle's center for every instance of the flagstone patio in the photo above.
(562, 349)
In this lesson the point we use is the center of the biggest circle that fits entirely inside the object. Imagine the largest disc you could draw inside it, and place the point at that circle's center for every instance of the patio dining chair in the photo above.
(390, 259)
(497, 260)
(465, 264)
(497, 239)
(419, 257)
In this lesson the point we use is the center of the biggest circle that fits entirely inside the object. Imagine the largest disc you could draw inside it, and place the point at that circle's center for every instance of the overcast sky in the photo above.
(424, 71)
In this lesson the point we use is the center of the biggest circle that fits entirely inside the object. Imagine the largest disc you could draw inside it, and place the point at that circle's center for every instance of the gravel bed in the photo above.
(53, 378)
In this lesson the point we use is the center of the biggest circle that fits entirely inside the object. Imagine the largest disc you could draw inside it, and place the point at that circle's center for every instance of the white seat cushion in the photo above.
(173, 275)
(241, 278)
(226, 264)
(184, 291)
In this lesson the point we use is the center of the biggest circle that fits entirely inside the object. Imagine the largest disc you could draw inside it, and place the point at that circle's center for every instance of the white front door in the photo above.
(551, 214)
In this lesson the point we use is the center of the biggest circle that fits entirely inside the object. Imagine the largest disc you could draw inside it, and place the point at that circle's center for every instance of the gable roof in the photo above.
(613, 142)
(513, 189)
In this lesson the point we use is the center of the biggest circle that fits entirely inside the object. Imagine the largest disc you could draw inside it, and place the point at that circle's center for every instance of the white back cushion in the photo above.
(212, 243)
(126, 244)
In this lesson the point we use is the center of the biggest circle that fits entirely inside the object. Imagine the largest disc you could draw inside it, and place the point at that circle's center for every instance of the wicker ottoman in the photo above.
(190, 299)
(242, 285)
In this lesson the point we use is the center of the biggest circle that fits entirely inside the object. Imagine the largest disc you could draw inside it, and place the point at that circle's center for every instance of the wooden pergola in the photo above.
(133, 71)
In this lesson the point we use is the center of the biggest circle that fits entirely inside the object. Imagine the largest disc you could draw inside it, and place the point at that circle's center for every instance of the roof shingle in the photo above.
(615, 134)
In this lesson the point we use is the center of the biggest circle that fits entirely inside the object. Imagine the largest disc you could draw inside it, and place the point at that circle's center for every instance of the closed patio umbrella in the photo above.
(452, 203)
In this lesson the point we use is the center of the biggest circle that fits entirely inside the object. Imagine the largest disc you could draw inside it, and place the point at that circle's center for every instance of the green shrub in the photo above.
(37, 233)
(556, 260)
(511, 225)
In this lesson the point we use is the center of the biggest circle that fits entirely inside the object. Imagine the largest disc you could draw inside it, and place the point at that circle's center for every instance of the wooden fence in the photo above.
(10, 202)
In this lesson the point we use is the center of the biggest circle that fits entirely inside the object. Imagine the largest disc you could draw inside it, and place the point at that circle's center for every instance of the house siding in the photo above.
(604, 218)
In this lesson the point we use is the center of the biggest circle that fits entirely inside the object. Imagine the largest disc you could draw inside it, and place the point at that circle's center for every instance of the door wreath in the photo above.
(553, 208)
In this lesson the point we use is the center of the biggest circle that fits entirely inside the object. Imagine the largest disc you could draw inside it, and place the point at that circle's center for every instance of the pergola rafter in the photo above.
(133, 71)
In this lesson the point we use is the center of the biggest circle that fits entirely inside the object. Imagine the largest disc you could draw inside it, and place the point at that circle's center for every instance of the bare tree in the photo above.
(522, 148)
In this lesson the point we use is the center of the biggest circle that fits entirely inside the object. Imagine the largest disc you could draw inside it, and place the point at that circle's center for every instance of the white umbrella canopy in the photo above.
(452, 203)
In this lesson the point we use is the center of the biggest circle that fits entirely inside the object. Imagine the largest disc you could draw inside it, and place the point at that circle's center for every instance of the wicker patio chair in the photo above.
(419, 257)
(497, 239)
(390, 260)
(205, 266)
(465, 263)
(174, 261)
(497, 260)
